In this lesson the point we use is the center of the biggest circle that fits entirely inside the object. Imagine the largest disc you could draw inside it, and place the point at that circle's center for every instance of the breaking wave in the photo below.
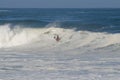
(44, 37)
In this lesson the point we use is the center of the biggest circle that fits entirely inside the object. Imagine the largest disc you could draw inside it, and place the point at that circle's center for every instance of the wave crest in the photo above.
(44, 37)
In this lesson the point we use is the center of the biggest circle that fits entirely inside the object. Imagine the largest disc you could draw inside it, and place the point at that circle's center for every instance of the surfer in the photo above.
(57, 38)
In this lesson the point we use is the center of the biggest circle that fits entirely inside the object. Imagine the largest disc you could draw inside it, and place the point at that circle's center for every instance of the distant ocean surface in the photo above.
(100, 20)
(88, 46)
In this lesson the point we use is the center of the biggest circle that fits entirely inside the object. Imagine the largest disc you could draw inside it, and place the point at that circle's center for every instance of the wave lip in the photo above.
(14, 36)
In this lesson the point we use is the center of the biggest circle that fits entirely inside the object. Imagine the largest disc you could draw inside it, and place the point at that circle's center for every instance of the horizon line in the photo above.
(62, 8)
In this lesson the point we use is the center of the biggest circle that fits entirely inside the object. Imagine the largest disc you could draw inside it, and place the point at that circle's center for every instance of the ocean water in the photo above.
(88, 49)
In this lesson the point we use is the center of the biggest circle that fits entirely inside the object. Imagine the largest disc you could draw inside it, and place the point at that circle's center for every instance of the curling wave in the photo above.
(44, 37)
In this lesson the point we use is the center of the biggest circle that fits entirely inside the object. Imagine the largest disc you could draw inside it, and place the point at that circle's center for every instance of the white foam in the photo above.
(44, 37)
(25, 61)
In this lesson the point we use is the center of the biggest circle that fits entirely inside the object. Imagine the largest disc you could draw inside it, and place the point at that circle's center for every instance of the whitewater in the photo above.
(44, 37)
(34, 54)
(88, 49)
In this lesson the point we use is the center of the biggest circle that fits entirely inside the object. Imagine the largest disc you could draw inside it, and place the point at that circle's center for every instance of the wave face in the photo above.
(44, 37)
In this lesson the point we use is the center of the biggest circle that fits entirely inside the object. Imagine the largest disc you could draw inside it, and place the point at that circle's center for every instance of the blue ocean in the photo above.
(59, 44)
(97, 20)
